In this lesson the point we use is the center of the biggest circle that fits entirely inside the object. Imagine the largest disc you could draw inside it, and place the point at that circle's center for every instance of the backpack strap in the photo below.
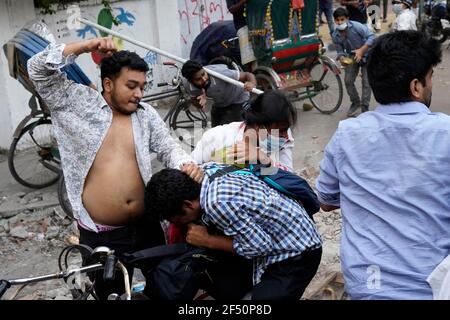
(156, 252)
(220, 172)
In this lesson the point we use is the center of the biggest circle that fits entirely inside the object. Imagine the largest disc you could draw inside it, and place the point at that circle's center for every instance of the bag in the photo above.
(172, 272)
(283, 181)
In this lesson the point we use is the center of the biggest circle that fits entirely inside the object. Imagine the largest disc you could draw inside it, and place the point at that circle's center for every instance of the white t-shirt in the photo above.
(220, 137)
(405, 21)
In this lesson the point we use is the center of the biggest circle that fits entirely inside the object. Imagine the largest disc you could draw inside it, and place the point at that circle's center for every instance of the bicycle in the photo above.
(100, 258)
(81, 280)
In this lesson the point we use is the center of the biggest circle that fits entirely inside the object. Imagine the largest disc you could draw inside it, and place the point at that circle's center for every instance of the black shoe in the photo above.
(364, 109)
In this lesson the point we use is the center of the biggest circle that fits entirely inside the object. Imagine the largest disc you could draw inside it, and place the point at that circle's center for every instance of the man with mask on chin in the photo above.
(388, 172)
(353, 41)
(229, 99)
(105, 140)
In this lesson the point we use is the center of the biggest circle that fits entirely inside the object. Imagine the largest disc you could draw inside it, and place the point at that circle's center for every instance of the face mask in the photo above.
(342, 26)
(272, 144)
(397, 8)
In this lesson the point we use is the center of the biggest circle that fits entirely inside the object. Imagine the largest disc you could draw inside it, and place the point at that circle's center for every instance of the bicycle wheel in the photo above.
(265, 82)
(326, 93)
(63, 199)
(32, 157)
(185, 120)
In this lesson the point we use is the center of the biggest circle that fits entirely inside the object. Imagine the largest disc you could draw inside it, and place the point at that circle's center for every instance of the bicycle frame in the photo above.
(66, 274)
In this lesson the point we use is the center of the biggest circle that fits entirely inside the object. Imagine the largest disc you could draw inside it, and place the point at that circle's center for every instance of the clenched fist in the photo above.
(105, 47)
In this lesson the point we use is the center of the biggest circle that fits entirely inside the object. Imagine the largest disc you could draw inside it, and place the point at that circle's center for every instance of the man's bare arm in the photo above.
(249, 80)
(198, 236)
(105, 46)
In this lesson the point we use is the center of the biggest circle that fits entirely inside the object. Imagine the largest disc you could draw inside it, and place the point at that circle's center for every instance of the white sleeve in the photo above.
(206, 146)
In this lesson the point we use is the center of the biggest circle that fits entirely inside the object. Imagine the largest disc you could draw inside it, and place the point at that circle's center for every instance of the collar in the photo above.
(402, 108)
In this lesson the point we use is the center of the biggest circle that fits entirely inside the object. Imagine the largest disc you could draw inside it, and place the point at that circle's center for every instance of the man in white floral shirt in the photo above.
(105, 141)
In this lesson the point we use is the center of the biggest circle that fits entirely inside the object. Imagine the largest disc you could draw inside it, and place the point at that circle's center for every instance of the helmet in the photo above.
(407, 2)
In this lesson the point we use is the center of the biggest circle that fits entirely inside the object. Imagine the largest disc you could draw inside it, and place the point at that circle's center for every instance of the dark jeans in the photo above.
(288, 279)
(229, 279)
(385, 6)
(327, 8)
(225, 115)
(136, 236)
(351, 73)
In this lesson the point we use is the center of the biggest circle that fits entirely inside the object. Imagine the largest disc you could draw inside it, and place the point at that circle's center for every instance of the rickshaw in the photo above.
(289, 52)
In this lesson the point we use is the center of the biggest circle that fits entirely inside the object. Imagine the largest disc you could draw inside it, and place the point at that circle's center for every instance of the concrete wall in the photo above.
(13, 97)
(170, 25)
(196, 15)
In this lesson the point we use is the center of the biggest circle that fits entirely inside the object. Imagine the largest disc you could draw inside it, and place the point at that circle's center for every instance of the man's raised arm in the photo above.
(52, 84)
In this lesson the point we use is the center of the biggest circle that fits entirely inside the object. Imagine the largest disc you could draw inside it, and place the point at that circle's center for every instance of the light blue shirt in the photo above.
(389, 171)
(357, 35)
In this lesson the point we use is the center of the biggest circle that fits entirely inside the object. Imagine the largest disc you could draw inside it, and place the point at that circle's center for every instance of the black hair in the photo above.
(271, 107)
(190, 68)
(110, 67)
(340, 12)
(166, 191)
(397, 58)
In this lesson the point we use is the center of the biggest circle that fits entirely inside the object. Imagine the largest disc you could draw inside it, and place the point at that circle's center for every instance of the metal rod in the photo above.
(163, 53)
(59, 275)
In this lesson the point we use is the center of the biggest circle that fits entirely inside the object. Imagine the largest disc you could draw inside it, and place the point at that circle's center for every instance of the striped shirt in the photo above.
(266, 226)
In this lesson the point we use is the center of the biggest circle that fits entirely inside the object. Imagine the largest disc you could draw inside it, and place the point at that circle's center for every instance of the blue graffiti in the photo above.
(82, 32)
(125, 17)
(150, 58)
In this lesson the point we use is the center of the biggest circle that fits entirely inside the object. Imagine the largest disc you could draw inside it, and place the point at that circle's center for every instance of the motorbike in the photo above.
(437, 21)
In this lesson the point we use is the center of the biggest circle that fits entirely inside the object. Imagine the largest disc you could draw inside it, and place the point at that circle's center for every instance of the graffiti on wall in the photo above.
(196, 15)
(151, 59)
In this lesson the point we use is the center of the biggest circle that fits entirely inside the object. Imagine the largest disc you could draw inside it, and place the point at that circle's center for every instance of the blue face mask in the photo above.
(272, 144)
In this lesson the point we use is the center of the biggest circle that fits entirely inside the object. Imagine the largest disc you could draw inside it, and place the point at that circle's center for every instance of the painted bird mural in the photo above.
(125, 17)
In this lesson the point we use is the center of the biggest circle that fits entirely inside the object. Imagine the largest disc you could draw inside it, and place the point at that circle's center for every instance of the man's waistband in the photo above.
(100, 227)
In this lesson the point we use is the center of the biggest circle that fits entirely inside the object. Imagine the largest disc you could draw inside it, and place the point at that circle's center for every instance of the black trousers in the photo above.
(288, 279)
(141, 234)
(231, 278)
(225, 115)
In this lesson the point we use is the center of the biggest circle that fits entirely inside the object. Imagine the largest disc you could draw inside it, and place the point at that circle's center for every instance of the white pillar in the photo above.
(167, 32)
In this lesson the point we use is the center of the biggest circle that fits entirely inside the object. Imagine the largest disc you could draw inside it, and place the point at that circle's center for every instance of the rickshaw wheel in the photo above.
(265, 82)
(326, 92)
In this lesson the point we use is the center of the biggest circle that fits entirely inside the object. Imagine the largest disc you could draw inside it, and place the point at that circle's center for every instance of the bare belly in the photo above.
(114, 192)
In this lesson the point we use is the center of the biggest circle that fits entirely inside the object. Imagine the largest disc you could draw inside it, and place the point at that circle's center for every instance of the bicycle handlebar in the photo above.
(4, 285)
(108, 263)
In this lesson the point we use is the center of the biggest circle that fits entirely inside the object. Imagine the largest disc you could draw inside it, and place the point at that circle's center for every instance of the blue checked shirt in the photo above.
(265, 225)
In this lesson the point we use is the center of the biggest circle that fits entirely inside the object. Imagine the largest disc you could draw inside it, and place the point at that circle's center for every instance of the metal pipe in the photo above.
(161, 52)
(59, 275)
(126, 280)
